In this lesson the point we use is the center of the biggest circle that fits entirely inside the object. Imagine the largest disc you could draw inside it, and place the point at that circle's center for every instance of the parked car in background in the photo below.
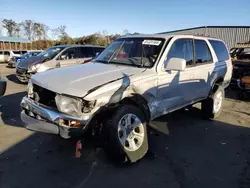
(133, 81)
(2, 86)
(15, 59)
(55, 57)
(6, 55)
(241, 62)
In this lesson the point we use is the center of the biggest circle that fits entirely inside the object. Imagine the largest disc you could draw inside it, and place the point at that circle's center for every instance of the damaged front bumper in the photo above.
(43, 119)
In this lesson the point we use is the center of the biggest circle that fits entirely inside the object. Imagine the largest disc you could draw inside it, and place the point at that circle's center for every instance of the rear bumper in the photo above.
(41, 119)
(3, 85)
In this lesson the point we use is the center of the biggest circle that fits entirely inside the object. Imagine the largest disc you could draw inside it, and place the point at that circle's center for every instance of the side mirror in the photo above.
(177, 64)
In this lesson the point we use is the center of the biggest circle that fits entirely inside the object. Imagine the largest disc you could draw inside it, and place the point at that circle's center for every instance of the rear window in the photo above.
(220, 50)
(202, 52)
(17, 52)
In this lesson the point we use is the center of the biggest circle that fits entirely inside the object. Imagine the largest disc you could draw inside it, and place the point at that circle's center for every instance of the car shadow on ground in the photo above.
(10, 109)
(195, 153)
(13, 78)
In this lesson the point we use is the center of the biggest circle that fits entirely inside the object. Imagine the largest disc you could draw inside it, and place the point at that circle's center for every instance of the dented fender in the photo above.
(113, 92)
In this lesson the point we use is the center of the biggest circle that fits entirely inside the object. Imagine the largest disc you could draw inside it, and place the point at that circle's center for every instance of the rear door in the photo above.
(86, 54)
(68, 57)
(204, 67)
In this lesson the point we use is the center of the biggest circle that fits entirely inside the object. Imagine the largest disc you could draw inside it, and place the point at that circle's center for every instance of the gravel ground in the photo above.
(195, 153)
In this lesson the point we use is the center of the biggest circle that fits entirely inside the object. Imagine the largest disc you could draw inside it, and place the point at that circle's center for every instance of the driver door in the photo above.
(177, 89)
(68, 57)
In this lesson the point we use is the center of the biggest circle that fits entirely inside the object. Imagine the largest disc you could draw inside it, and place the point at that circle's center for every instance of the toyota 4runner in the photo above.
(133, 81)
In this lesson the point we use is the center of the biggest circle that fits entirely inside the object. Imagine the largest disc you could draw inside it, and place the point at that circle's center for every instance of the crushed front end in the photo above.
(46, 111)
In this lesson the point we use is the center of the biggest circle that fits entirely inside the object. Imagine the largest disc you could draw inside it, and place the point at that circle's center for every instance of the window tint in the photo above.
(220, 50)
(86, 52)
(182, 48)
(6, 53)
(202, 53)
(68, 54)
(1, 52)
(17, 52)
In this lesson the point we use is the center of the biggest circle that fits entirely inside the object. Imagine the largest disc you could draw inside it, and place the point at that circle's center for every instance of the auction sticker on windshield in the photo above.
(152, 42)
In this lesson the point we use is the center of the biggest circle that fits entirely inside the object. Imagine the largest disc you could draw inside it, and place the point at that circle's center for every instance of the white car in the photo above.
(6, 55)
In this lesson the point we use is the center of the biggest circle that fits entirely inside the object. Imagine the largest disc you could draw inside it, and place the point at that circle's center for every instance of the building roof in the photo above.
(205, 27)
(14, 39)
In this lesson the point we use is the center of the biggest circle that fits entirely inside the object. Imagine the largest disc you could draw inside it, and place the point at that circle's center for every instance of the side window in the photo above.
(202, 52)
(68, 54)
(182, 48)
(1, 52)
(7, 53)
(99, 50)
(221, 50)
(86, 52)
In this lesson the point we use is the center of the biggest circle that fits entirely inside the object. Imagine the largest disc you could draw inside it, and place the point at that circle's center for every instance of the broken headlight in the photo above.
(88, 106)
(69, 105)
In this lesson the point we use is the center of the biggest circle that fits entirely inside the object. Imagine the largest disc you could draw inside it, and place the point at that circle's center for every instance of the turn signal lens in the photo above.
(75, 123)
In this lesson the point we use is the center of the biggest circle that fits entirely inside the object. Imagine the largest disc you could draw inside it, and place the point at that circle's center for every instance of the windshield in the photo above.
(51, 52)
(140, 52)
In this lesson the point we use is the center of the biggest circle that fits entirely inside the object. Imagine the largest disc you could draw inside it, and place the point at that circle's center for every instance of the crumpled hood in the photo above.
(30, 61)
(79, 79)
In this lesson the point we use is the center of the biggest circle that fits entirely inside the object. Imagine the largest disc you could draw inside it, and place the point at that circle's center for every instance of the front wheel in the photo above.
(127, 134)
(212, 106)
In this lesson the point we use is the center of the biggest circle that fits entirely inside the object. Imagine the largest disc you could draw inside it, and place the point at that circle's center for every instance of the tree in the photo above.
(27, 26)
(125, 32)
(10, 25)
(44, 29)
(37, 31)
(17, 30)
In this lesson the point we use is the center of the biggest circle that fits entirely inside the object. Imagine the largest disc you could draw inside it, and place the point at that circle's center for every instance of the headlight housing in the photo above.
(34, 68)
(73, 106)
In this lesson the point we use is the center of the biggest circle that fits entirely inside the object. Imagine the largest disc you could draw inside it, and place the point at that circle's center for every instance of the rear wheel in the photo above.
(127, 134)
(212, 106)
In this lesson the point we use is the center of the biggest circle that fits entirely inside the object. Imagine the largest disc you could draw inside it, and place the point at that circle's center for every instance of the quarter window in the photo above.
(182, 48)
(202, 53)
(221, 50)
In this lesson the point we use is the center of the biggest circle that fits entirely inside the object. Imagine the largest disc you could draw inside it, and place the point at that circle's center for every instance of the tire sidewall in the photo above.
(220, 89)
(115, 148)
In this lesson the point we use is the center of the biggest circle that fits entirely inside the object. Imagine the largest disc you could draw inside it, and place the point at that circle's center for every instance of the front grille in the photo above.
(44, 96)
(20, 70)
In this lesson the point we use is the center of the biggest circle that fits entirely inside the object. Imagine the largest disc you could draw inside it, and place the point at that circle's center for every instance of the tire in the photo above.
(212, 106)
(119, 134)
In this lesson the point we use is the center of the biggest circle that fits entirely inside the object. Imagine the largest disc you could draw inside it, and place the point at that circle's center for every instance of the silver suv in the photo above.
(133, 81)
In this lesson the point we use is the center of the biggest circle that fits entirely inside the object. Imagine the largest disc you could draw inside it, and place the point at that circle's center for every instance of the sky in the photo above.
(84, 17)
